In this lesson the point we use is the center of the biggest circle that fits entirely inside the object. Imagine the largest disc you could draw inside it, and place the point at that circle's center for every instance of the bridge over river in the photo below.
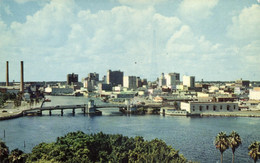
(89, 108)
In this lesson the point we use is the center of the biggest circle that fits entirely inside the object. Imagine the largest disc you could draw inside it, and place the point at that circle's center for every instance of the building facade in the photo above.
(172, 79)
(130, 82)
(72, 78)
(162, 80)
(201, 107)
(115, 77)
(254, 94)
(189, 81)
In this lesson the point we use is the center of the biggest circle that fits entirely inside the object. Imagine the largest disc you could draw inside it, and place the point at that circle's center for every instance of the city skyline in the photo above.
(211, 40)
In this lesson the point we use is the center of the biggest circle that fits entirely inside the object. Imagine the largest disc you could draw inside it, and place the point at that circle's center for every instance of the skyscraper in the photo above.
(130, 82)
(115, 77)
(72, 78)
(172, 79)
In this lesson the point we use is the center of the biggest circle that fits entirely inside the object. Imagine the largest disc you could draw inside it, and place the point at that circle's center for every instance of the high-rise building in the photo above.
(189, 81)
(72, 78)
(130, 82)
(115, 77)
(138, 82)
(93, 76)
(172, 79)
(162, 80)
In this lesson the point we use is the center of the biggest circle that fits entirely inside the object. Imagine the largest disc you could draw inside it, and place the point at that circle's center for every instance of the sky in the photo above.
(213, 40)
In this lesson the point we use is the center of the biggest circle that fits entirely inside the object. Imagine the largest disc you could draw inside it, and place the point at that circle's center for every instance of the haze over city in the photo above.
(212, 40)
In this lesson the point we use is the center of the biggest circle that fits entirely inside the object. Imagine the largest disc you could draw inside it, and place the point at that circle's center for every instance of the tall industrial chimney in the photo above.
(21, 83)
(7, 74)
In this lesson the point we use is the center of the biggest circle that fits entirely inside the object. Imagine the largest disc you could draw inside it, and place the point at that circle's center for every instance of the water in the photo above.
(192, 136)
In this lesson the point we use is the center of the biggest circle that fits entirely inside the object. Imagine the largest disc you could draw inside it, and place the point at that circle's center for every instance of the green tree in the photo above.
(100, 147)
(4, 152)
(222, 143)
(234, 143)
(17, 156)
(254, 150)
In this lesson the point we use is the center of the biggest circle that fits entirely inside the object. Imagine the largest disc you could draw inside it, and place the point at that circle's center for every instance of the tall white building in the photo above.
(172, 79)
(189, 81)
(130, 82)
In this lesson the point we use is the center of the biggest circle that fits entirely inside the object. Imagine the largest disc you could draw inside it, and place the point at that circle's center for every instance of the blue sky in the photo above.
(208, 39)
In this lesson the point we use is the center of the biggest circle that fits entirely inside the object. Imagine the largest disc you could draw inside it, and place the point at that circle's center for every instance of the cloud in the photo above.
(61, 38)
(193, 10)
(139, 3)
(246, 25)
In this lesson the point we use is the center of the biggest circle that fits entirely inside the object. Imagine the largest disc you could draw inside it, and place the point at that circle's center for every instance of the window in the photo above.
(214, 108)
(207, 107)
(221, 107)
(234, 107)
(228, 107)
(193, 109)
(200, 108)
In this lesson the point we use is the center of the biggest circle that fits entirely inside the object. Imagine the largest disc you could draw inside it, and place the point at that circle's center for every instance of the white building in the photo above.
(189, 81)
(202, 107)
(254, 94)
(59, 90)
(130, 82)
(172, 79)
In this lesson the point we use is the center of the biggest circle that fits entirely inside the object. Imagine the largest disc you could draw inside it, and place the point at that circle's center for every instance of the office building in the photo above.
(130, 82)
(189, 81)
(162, 80)
(72, 78)
(115, 77)
(172, 79)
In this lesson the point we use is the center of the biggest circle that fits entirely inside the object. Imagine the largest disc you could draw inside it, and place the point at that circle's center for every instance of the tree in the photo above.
(222, 143)
(17, 156)
(234, 143)
(4, 152)
(254, 150)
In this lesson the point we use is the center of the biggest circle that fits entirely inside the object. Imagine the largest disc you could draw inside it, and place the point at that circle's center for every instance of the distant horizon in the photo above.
(214, 40)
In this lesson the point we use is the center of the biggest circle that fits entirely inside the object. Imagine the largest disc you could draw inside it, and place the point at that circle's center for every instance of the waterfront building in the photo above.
(189, 81)
(59, 90)
(72, 78)
(130, 82)
(115, 77)
(204, 107)
(172, 79)
(254, 94)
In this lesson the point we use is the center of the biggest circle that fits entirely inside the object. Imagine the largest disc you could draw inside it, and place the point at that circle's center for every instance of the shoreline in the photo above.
(20, 113)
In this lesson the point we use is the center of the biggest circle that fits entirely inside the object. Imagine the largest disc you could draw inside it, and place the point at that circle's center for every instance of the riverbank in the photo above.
(10, 111)
(233, 114)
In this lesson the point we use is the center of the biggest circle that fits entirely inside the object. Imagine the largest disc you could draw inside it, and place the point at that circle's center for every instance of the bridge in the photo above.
(89, 108)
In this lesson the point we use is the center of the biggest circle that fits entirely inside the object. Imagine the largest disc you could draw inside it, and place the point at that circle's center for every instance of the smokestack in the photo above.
(21, 83)
(7, 74)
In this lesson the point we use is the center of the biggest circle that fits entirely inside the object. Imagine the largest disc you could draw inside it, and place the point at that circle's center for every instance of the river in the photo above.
(192, 136)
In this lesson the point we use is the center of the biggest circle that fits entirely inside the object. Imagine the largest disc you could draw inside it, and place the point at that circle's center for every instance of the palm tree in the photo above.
(254, 150)
(222, 143)
(4, 151)
(234, 142)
